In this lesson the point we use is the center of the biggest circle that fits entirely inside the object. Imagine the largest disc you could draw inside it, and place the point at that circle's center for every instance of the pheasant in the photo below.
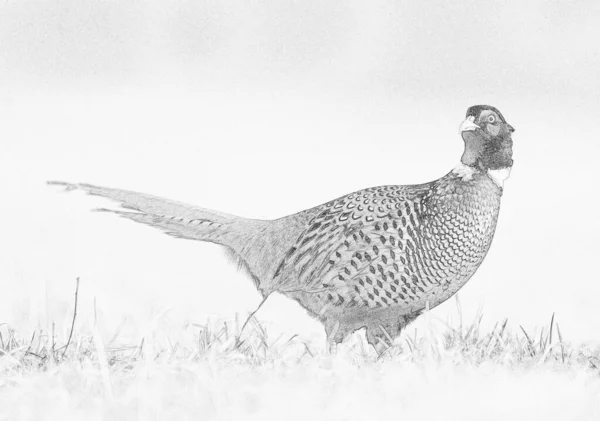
(375, 258)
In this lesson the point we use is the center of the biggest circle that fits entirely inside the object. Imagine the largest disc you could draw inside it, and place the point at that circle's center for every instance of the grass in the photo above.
(217, 371)
(224, 340)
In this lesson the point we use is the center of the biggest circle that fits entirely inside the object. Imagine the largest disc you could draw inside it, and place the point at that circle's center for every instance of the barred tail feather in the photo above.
(191, 229)
(146, 203)
(176, 219)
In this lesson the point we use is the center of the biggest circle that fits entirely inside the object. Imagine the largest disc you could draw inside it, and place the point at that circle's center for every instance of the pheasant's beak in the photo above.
(468, 125)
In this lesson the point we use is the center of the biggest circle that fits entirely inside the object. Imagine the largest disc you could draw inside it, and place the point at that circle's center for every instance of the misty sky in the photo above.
(264, 108)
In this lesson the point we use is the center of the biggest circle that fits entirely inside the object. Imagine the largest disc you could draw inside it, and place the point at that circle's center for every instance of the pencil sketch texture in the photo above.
(375, 258)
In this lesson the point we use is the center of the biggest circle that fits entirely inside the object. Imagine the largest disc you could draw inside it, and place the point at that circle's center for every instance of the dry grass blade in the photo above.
(491, 335)
(262, 335)
(503, 327)
(117, 331)
(174, 351)
(460, 317)
(30, 342)
(560, 339)
(102, 361)
(386, 348)
(74, 317)
(307, 348)
(490, 345)
(53, 343)
(409, 345)
(542, 342)
(500, 340)
(551, 328)
(140, 349)
(387, 335)
(531, 349)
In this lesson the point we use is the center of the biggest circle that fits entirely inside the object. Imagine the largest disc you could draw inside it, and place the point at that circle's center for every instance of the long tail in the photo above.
(183, 221)
(175, 218)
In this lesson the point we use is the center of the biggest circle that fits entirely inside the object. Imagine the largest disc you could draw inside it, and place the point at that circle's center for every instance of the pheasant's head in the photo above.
(487, 136)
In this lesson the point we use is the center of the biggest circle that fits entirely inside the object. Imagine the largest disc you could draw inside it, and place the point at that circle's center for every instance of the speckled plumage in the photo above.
(390, 249)
(375, 258)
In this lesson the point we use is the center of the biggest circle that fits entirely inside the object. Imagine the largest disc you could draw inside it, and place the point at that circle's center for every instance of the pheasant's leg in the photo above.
(238, 341)
(331, 347)
(331, 330)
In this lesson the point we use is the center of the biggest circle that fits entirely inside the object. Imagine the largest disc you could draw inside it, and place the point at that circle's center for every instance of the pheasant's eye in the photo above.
(491, 119)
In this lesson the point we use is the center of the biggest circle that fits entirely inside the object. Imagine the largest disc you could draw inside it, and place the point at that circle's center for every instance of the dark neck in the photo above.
(487, 154)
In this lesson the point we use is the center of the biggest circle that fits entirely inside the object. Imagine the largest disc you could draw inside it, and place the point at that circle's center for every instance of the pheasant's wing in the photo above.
(356, 251)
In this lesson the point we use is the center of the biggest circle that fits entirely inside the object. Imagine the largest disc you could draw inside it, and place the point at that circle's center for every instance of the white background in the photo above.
(265, 108)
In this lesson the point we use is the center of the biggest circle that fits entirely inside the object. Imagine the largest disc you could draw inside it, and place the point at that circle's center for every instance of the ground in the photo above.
(216, 372)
